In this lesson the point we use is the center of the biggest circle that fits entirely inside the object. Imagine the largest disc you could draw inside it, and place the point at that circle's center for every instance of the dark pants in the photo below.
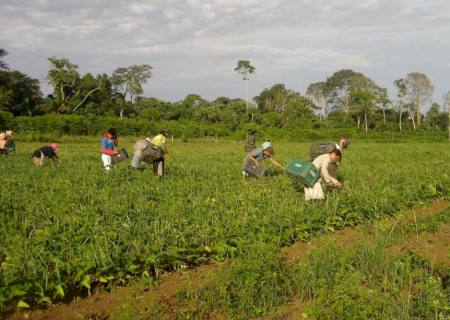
(158, 167)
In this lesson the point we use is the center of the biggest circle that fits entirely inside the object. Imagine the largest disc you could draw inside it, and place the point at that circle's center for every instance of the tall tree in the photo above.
(64, 77)
(317, 93)
(19, 94)
(447, 108)
(89, 86)
(418, 91)
(340, 85)
(401, 95)
(362, 103)
(433, 114)
(273, 99)
(128, 81)
(3, 65)
(338, 89)
(245, 69)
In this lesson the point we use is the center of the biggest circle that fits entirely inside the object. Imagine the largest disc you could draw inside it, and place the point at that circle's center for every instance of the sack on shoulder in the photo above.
(151, 153)
(321, 148)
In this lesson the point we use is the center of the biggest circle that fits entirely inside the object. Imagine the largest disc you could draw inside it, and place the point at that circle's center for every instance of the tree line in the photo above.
(345, 99)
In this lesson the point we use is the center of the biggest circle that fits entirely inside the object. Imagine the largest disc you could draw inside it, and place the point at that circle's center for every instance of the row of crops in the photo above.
(68, 228)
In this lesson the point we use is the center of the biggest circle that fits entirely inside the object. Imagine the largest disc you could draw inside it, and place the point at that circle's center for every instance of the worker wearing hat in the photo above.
(259, 154)
(159, 141)
(49, 152)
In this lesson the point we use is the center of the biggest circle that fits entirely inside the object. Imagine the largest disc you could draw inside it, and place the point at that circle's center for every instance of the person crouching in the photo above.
(321, 163)
(107, 143)
(252, 162)
(49, 152)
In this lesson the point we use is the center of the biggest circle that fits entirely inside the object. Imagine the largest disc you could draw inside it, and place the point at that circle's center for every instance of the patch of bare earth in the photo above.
(433, 246)
(144, 302)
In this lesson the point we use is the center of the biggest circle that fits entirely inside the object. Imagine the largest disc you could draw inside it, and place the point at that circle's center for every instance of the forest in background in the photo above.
(347, 102)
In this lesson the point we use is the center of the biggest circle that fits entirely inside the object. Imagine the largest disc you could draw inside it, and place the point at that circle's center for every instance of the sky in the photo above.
(193, 46)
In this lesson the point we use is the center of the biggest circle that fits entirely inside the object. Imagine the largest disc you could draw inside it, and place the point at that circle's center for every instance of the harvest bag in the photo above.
(321, 148)
(122, 155)
(151, 153)
(302, 172)
(250, 168)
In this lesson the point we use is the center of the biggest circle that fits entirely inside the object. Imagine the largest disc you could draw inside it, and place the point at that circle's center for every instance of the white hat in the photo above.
(266, 145)
(148, 139)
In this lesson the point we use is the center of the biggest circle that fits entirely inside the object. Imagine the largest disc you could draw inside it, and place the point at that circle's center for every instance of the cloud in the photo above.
(290, 41)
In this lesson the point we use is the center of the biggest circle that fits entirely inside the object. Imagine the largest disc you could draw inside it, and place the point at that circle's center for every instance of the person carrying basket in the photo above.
(252, 162)
(107, 143)
(321, 163)
(159, 142)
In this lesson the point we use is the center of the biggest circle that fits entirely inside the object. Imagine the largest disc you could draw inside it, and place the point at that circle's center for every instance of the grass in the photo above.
(71, 227)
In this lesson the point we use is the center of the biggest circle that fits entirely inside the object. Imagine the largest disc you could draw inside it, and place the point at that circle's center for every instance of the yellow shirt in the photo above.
(159, 140)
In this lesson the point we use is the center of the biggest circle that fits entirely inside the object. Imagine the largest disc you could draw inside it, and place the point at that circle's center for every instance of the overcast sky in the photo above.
(194, 45)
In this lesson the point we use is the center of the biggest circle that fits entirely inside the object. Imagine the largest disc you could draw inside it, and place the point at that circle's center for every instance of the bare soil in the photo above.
(160, 302)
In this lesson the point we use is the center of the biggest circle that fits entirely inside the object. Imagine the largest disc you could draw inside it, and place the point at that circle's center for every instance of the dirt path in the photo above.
(433, 246)
(148, 302)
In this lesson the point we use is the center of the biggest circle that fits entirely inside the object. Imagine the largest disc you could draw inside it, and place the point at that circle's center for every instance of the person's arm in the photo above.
(276, 164)
(326, 175)
(165, 151)
(49, 153)
(253, 159)
(108, 152)
(55, 156)
(116, 141)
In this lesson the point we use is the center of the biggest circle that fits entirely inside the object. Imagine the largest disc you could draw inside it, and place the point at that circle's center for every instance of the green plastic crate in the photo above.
(302, 172)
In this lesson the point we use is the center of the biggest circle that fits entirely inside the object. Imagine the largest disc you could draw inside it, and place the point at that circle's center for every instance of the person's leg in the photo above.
(308, 193)
(136, 162)
(318, 192)
(155, 167)
(37, 161)
(158, 167)
(161, 168)
(107, 161)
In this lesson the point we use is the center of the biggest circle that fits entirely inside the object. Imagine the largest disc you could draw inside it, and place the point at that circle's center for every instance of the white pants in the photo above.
(107, 161)
(316, 192)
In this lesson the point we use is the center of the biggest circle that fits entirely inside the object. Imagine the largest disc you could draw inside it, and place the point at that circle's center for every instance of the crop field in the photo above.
(69, 228)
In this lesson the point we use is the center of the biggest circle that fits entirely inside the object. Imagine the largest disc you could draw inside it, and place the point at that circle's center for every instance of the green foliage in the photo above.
(365, 283)
(253, 285)
(19, 94)
(73, 227)
(244, 68)
(129, 81)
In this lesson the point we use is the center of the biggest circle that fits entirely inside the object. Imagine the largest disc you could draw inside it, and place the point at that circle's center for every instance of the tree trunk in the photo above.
(246, 94)
(413, 121)
(400, 120)
(418, 115)
(384, 116)
(121, 113)
(63, 98)
(346, 105)
(359, 120)
(448, 123)
(81, 103)
(365, 120)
